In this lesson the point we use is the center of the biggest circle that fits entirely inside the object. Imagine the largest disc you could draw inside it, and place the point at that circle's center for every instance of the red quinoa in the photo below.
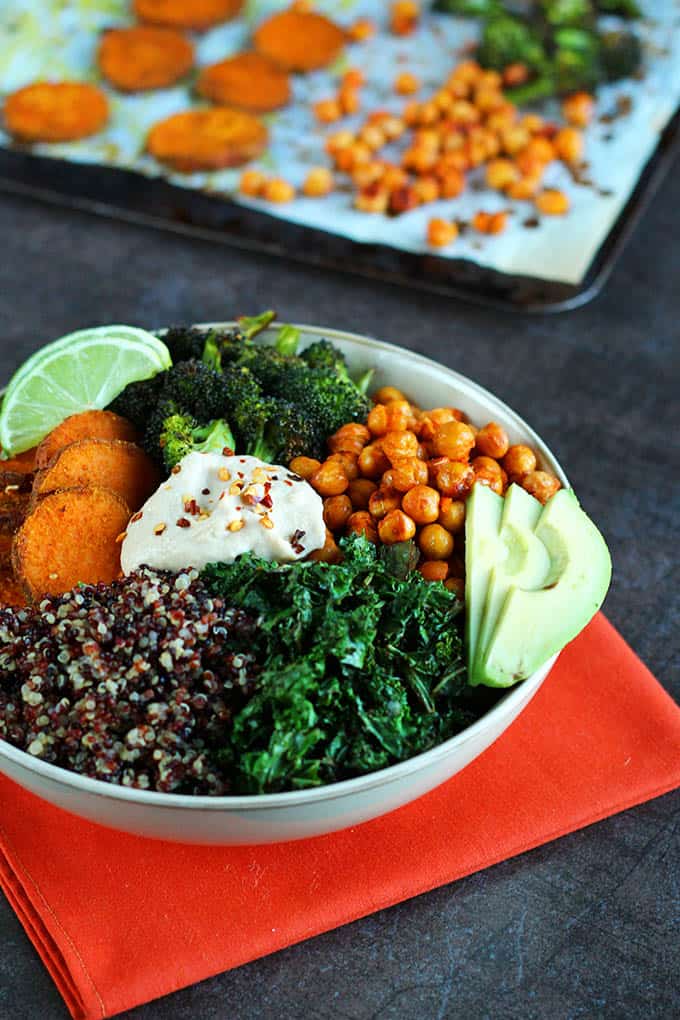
(131, 683)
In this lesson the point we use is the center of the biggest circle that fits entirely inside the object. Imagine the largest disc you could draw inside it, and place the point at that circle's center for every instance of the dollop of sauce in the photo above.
(214, 508)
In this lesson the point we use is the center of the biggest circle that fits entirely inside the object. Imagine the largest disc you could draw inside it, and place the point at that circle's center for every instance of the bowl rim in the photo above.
(356, 784)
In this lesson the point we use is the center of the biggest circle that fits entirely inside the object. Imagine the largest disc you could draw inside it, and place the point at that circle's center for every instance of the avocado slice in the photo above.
(535, 623)
(521, 561)
(482, 526)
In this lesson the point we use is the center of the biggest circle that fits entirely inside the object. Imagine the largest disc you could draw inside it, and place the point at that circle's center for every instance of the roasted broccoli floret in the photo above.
(620, 54)
(467, 8)
(185, 342)
(247, 408)
(568, 13)
(576, 62)
(287, 434)
(197, 389)
(508, 40)
(138, 400)
(235, 345)
(181, 434)
(621, 8)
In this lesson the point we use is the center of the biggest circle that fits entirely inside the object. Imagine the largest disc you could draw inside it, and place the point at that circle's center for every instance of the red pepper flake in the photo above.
(176, 470)
(222, 494)
(191, 507)
(286, 482)
(242, 460)
(267, 501)
(182, 522)
(240, 474)
(296, 541)
(227, 451)
(136, 517)
(205, 492)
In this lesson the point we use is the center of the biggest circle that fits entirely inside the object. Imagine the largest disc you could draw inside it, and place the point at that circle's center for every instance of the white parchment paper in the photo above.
(57, 39)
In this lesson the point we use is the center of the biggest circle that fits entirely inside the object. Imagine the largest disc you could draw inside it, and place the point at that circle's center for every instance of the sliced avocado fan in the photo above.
(535, 577)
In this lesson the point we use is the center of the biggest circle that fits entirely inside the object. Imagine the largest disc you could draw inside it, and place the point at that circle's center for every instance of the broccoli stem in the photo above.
(251, 325)
(288, 341)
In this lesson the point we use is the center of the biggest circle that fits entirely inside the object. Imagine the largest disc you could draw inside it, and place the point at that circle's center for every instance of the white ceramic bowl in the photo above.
(277, 817)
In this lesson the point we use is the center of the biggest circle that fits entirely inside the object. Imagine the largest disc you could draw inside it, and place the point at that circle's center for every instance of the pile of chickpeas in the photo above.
(407, 473)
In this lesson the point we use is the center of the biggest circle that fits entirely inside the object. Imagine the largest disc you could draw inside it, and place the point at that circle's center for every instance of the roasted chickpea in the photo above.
(407, 473)
(387, 479)
(451, 477)
(382, 502)
(318, 182)
(435, 542)
(519, 460)
(569, 144)
(579, 108)
(492, 440)
(329, 479)
(377, 420)
(361, 523)
(456, 585)
(278, 190)
(422, 504)
(360, 491)
(436, 417)
(252, 182)
(487, 464)
(350, 438)
(305, 467)
(451, 514)
(399, 416)
(434, 570)
(348, 463)
(500, 173)
(454, 440)
(489, 478)
(552, 202)
(540, 485)
(397, 445)
(372, 461)
(396, 527)
(386, 394)
(441, 233)
(328, 553)
(336, 512)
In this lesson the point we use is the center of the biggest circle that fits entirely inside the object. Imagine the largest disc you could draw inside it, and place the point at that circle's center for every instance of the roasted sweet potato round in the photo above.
(109, 463)
(299, 40)
(207, 139)
(142, 57)
(248, 81)
(70, 536)
(55, 112)
(197, 14)
(87, 425)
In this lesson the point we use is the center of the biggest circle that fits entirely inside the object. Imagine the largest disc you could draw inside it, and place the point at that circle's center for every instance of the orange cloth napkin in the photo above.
(120, 920)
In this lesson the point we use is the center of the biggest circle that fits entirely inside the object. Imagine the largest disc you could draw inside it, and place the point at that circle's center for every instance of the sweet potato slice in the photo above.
(11, 593)
(207, 139)
(299, 40)
(13, 510)
(248, 81)
(70, 537)
(88, 425)
(197, 14)
(23, 462)
(55, 112)
(140, 58)
(6, 552)
(108, 463)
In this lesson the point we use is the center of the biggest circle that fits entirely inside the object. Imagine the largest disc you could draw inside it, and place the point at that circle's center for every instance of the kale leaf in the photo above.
(362, 668)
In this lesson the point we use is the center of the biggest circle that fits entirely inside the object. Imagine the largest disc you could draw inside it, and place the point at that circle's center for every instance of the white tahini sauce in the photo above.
(214, 508)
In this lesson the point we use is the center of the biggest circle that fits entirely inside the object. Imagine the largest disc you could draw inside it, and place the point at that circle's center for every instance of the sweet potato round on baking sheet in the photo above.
(142, 57)
(55, 112)
(207, 139)
(70, 536)
(198, 14)
(299, 40)
(248, 81)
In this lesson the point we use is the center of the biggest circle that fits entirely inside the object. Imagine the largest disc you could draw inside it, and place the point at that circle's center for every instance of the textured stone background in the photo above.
(586, 927)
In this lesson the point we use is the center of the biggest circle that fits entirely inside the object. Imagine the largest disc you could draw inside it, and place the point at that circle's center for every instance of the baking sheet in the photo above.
(54, 39)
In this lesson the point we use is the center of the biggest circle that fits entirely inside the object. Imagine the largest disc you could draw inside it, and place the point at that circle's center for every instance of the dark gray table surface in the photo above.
(586, 927)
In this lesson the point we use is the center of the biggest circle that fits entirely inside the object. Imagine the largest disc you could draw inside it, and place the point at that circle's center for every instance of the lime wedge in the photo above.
(79, 372)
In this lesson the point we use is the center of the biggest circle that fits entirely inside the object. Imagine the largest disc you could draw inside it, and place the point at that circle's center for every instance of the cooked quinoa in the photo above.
(131, 683)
